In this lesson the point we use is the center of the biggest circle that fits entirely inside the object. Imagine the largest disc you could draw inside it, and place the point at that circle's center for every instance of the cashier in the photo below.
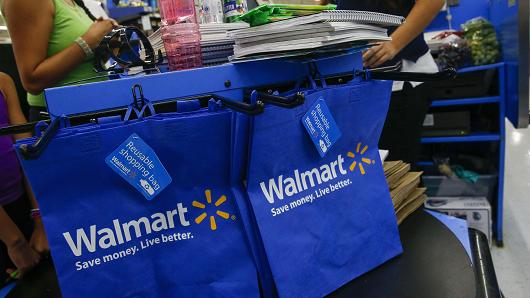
(53, 42)
(410, 101)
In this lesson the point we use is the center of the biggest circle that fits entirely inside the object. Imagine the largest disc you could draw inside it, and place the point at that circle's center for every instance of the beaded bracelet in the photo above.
(84, 46)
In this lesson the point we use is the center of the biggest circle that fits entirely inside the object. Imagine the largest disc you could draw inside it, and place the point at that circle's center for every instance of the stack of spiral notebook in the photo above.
(335, 29)
(216, 45)
(406, 194)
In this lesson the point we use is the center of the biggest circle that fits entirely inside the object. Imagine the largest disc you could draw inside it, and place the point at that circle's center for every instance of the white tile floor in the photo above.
(512, 262)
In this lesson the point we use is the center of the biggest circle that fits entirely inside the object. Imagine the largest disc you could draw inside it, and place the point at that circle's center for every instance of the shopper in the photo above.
(410, 101)
(21, 231)
(53, 42)
(407, 40)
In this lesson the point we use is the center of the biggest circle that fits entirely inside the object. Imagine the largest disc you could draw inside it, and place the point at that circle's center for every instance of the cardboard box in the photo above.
(475, 210)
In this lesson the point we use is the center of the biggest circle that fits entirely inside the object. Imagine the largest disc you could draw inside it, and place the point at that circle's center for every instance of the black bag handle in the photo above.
(239, 106)
(445, 74)
(20, 128)
(281, 101)
(33, 151)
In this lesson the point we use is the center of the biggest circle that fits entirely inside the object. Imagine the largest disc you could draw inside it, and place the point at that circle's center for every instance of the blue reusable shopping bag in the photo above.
(323, 221)
(103, 232)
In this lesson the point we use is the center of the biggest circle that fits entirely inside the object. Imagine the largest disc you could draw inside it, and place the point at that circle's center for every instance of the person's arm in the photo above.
(418, 19)
(38, 239)
(14, 112)
(30, 24)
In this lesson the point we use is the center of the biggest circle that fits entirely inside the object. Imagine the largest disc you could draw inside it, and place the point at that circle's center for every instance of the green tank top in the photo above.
(69, 23)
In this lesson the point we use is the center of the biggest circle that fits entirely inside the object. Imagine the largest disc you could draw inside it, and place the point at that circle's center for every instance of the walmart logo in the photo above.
(278, 188)
(220, 201)
(359, 163)
(95, 237)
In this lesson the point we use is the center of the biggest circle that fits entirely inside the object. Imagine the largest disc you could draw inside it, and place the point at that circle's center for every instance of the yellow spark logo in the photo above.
(359, 164)
(219, 202)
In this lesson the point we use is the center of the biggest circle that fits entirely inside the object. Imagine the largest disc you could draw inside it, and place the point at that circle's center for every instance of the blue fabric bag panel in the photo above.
(323, 221)
(188, 241)
(240, 148)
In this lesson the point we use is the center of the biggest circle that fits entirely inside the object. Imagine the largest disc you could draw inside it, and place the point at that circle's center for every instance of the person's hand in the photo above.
(38, 241)
(379, 54)
(97, 31)
(23, 257)
(114, 22)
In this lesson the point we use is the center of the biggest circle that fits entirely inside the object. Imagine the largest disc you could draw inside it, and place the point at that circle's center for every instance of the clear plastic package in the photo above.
(482, 39)
(454, 51)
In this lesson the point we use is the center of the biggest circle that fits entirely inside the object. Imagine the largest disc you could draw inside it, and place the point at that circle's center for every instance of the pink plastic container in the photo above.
(177, 11)
(183, 45)
(180, 34)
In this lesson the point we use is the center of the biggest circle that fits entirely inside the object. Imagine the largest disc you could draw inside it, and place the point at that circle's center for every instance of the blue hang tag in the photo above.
(138, 164)
(321, 126)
